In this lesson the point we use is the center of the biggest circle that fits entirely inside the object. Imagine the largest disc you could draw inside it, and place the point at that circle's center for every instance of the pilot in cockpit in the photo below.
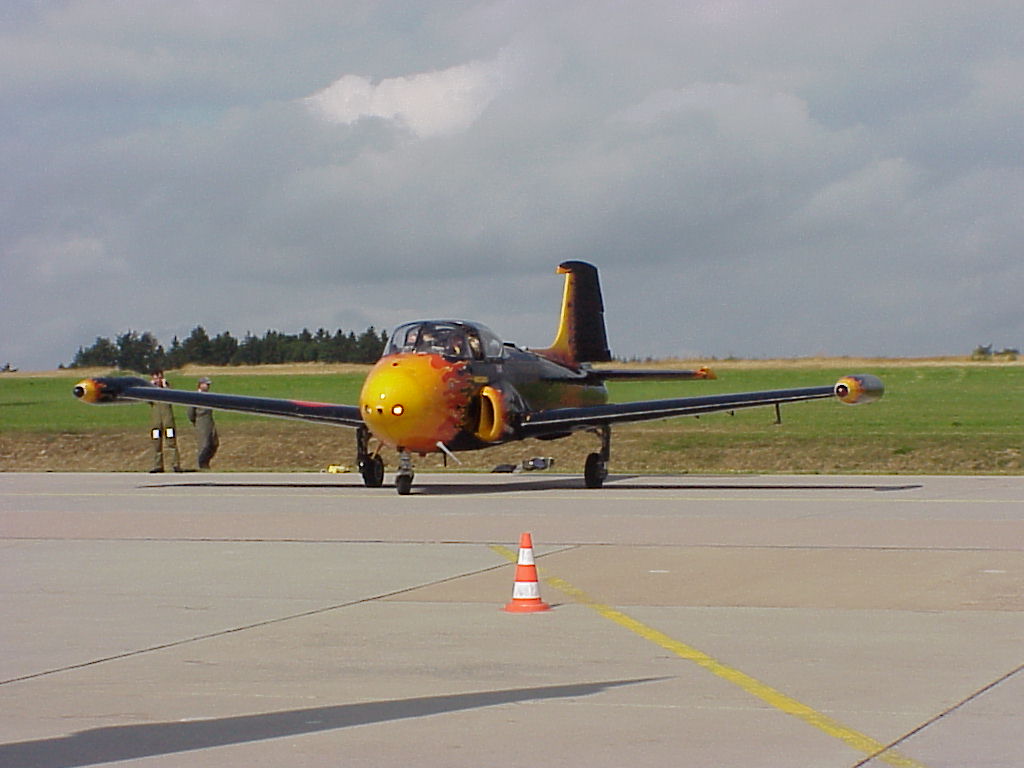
(456, 346)
(450, 340)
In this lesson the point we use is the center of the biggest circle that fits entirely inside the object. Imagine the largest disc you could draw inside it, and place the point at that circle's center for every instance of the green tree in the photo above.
(142, 352)
(139, 352)
(303, 348)
(248, 352)
(274, 348)
(176, 356)
(102, 354)
(369, 346)
(223, 348)
(197, 347)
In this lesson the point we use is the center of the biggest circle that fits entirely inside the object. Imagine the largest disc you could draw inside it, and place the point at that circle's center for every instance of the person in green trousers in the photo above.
(207, 441)
(161, 428)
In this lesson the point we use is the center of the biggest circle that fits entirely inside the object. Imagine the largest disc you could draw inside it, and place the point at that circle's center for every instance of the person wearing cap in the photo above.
(207, 441)
(161, 428)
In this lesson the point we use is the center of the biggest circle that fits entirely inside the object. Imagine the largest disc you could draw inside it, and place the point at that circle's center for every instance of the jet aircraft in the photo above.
(444, 386)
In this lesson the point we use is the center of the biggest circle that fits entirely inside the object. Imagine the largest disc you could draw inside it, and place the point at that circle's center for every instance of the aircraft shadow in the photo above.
(768, 487)
(418, 489)
(251, 484)
(621, 482)
(613, 483)
(131, 742)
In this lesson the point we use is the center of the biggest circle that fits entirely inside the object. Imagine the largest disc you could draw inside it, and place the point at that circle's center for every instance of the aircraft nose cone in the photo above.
(414, 401)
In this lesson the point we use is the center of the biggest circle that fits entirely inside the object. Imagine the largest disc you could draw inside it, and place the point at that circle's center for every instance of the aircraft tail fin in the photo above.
(581, 336)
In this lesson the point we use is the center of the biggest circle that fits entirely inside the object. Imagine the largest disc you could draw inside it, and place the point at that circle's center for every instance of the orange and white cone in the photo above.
(526, 591)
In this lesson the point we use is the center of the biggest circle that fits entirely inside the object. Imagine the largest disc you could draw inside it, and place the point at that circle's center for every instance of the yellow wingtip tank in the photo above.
(859, 388)
(90, 391)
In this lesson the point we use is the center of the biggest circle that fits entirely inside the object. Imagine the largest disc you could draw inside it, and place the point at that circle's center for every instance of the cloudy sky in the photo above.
(752, 178)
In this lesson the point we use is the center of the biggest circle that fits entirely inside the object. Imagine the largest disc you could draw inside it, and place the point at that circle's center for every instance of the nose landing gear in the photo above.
(403, 480)
(371, 465)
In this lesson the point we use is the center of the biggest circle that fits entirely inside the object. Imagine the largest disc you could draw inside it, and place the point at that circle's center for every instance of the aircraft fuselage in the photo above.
(429, 401)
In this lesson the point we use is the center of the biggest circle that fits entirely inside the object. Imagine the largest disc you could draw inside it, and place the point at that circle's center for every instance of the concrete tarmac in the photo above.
(302, 619)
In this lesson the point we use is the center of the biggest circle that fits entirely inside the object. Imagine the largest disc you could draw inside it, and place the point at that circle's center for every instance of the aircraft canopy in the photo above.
(450, 338)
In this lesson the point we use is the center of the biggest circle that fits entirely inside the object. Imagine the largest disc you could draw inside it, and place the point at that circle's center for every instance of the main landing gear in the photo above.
(596, 468)
(371, 465)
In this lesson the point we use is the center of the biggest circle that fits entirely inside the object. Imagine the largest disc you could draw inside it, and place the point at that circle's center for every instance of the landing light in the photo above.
(397, 410)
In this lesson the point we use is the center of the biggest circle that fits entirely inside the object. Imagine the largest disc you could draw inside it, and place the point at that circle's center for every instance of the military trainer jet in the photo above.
(451, 385)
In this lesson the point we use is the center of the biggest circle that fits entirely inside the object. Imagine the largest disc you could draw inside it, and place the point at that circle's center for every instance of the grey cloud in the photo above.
(742, 195)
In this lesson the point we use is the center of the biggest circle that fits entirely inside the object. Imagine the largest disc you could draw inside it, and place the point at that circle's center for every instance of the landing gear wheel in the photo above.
(594, 471)
(371, 465)
(403, 480)
(372, 470)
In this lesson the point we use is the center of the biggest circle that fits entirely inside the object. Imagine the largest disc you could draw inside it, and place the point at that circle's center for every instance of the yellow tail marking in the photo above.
(562, 344)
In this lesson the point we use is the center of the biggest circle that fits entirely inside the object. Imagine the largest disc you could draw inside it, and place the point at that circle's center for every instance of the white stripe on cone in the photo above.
(526, 590)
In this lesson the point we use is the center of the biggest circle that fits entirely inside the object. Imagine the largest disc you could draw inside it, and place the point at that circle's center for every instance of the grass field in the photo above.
(936, 418)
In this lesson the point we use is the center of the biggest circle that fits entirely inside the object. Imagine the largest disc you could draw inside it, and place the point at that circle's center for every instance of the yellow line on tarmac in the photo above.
(859, 741)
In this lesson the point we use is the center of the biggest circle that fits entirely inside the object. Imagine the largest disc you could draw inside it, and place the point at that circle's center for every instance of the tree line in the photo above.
(134, 351)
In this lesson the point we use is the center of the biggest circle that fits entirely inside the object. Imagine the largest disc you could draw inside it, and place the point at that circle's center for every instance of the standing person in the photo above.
(161, 427)
(206, 431)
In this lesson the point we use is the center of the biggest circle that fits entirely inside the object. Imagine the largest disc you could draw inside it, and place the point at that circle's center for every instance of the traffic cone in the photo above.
(526, 591)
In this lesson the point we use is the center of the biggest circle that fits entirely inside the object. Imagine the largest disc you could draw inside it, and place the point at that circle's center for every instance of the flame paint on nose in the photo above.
(414, 401)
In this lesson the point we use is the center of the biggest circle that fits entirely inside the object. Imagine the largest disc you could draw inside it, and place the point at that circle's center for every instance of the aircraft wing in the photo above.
(854, 389)
(102, 391)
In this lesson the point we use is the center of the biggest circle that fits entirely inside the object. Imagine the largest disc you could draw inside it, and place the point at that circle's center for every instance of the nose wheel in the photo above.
(371, 465)
(403, 480)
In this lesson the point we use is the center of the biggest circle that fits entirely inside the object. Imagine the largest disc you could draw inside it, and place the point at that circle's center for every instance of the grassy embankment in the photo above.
(938, 417)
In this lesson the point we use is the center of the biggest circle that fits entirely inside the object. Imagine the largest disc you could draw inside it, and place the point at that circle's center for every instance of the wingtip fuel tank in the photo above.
(104, 391)
(92, 391)
(859, 388)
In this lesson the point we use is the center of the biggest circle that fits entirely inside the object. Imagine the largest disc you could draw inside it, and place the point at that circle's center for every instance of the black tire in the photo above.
(372, 470)
(403, 484)
(594, 471)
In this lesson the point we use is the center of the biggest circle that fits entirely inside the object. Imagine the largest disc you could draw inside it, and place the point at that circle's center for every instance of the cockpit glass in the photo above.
(452, 340)
(492, 345)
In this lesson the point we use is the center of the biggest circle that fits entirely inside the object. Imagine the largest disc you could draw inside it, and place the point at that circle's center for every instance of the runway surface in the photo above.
(301, 619)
